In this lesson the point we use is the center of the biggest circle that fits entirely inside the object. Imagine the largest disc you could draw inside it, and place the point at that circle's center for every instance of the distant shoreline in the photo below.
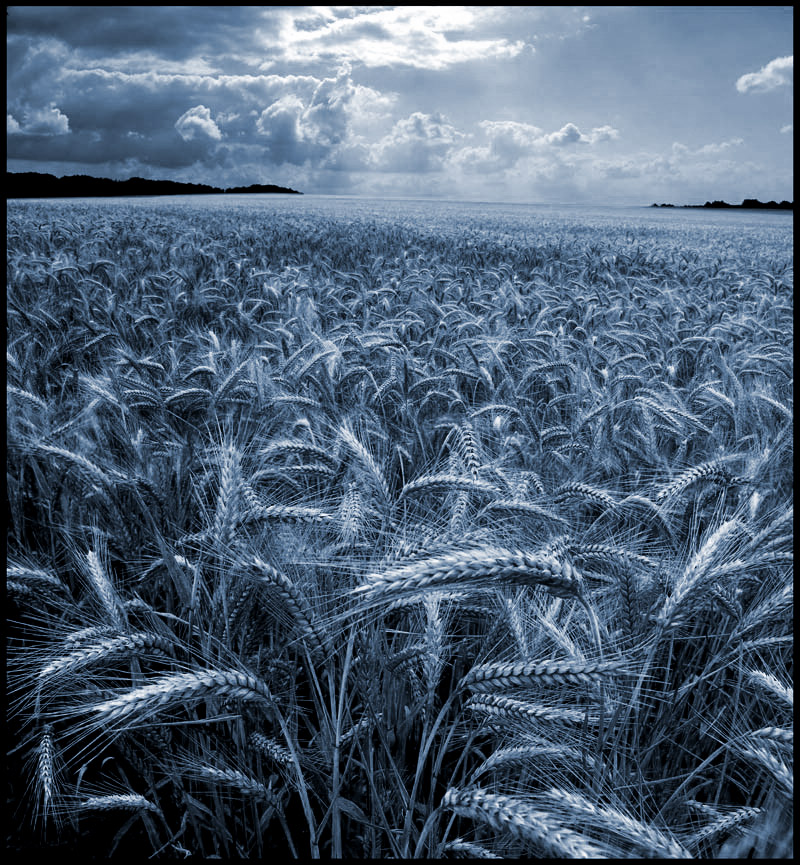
(747, 204)
(31, 184)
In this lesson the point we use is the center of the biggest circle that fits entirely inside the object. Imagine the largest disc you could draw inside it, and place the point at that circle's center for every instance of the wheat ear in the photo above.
(234, 778)
(270, 748)
(493, 676)
(180, 688)
(468, 850)
(104, 588)
(712, 470)
(520, 818)
(296, 605)
(772, 684)
(722, 824)
(47, 771)
(86, 655)
(536, 749)
(510, 709)
(126, 801)
(470, 567)
(447, 482)
(373, 469)
(697, 568)
(652, 841)
(227, 513)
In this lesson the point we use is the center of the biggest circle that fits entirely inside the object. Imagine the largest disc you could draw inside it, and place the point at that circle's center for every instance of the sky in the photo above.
(536, 104)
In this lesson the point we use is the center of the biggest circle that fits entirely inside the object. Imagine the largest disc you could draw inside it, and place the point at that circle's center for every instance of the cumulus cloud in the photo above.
(776, 73)
(511, 141)
(568, 134)
(418, 143)
(714, 149)
(788, 128)
(322, 125)
(721, 147)
(196, 123)
(601, 133)
(43, 121)
(269, 120)
(281, 128)
(12, 125)
(328, 111)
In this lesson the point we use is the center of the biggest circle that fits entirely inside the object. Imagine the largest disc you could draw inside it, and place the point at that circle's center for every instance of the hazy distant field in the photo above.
(342, 528)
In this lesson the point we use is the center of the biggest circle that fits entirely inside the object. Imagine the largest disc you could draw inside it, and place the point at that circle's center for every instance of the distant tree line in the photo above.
(748, 203)
(31, 184)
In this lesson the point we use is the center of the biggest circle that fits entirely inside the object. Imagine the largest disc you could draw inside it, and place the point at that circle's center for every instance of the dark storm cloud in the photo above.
(173, 32)
(228, 129)
(145, 102)
(165, 149)
(155, 117)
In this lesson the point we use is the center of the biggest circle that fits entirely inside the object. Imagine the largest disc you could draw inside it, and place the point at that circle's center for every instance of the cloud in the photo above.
(522, 162)
(624, 169)
(170, 33)
(323, 125)
(568, 134)
(202, 97)
(328, 112)
(418, 143)
(138, 38)
(422, 37)
(280, 125)
(601, 133)
(721, 147)
(681, 151)
(511, 141)
(42, 121)
(691, 175)
(269, 120)
(776, 73)
(788, 128)
(197, 122)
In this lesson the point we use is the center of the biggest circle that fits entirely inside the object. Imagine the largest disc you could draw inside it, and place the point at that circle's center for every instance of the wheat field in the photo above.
(381, 537)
